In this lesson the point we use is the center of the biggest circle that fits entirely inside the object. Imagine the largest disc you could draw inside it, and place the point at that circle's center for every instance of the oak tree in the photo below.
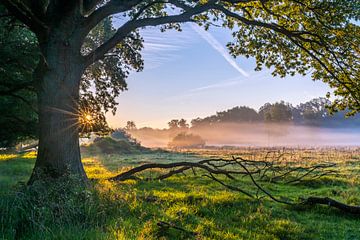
(288, 36)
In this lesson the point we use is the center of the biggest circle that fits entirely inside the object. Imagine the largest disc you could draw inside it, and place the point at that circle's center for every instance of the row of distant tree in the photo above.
(311, 113)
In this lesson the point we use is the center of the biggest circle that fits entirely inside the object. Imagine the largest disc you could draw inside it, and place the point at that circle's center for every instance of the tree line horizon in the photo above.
(313, 113)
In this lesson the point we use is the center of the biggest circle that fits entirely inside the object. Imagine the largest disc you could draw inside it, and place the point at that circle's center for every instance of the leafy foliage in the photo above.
(103, 80)
(18, 118)
(301, 36)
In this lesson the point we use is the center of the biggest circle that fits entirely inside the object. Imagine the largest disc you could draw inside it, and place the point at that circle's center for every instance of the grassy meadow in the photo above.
(202, 208)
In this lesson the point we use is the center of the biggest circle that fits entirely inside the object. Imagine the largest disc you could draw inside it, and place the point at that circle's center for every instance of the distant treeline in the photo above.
(287, 124)
(311, 113)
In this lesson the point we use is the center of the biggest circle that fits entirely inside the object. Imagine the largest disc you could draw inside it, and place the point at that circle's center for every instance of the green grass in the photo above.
(131, 210)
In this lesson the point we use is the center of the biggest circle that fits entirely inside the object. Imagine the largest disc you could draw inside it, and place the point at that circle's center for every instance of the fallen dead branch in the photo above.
(332, 203)
(257, 171)
(208, 165)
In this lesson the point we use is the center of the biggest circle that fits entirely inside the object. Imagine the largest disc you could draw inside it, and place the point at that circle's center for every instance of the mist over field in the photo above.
(258, 135)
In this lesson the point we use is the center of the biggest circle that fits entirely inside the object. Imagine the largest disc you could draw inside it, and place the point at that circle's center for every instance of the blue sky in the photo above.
(190, 74)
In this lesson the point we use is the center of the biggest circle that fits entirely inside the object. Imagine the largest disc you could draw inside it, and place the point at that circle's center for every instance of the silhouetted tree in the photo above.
(183, 124)
(173, 124)
(277, 112)
(130, 125)
(238, 114)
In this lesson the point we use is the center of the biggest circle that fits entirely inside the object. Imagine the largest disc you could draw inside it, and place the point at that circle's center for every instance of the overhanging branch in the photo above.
(132, 25)
(111, 8)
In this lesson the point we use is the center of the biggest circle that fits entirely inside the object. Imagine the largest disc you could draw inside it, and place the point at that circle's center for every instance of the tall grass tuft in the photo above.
(54, 208)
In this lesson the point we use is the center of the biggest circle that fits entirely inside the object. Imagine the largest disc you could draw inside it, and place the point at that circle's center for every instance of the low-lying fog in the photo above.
(258, 135)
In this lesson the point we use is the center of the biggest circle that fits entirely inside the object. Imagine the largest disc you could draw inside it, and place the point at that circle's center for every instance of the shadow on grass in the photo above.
(321, 182)
(15, 169)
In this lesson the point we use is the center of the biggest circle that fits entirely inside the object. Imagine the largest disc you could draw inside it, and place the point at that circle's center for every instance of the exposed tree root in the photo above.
(265, 171)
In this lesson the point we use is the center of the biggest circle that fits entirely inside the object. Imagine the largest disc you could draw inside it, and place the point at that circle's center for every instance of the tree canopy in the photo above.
(290, 37)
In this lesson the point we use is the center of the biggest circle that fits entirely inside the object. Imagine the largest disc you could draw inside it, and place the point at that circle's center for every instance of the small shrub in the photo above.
(109, 145)
(184, 140)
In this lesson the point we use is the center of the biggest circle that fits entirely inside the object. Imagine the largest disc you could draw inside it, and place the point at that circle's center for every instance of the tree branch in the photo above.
(111, 8)
(25, 14)
(132, 25)
(185, 166)
(295, 37)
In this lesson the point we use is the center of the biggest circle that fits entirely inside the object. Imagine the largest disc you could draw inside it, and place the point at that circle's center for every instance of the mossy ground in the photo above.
(131, 210)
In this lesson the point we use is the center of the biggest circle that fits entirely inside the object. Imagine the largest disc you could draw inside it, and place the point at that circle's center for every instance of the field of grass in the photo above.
(132, 210)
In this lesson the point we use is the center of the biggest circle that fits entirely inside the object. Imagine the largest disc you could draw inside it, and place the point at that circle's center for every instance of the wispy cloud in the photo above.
(199, 90)
(214, 43)
(215, 86)
(160, 48)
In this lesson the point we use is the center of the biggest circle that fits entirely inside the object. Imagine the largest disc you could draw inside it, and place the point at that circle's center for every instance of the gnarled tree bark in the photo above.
(58, 79)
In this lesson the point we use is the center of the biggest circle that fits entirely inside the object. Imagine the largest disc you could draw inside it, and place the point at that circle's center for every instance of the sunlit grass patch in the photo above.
(223, 197)
(4, 157)
(15, 169)
(171, 196)
(29, 155)
(181, 210)
(95, 169)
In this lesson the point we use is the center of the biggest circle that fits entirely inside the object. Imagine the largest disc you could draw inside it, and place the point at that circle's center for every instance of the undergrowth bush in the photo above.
(109, 145)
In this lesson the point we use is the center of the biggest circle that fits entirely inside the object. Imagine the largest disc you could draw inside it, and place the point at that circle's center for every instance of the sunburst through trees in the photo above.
(91, 121)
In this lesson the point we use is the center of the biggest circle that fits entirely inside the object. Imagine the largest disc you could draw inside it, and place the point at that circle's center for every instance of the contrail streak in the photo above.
(219, 48)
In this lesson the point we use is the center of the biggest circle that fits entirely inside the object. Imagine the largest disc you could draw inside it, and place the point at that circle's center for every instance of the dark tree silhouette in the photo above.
(130, 125)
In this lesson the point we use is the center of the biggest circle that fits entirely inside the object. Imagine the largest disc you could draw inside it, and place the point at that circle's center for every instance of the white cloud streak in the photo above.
(214, 43)
(215, 86)
(161, 48)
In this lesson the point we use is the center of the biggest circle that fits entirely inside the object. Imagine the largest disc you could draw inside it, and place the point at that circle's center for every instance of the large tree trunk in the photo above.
(58, 76)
